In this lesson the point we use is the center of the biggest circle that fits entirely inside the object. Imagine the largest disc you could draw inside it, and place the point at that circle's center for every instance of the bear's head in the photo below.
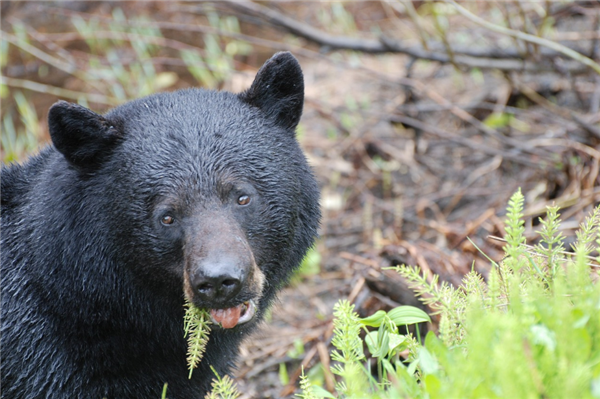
(203, 194)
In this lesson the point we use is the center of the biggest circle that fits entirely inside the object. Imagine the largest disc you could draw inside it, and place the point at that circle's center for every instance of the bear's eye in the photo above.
(243, 200)
(167, 219)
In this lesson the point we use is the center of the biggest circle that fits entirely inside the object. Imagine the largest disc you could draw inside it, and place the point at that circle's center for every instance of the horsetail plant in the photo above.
(222, 387)
(196, 326)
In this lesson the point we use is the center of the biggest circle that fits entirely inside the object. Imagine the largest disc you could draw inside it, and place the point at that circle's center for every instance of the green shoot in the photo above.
(222, 388)
(552, 237)
(196, 326)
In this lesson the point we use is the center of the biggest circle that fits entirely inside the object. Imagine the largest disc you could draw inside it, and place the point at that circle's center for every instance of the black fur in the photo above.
(92, 283)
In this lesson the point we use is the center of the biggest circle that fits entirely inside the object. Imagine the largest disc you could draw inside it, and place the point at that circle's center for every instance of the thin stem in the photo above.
(527, 37)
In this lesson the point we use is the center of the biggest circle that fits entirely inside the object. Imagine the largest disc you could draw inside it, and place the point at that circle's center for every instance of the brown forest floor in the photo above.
(407, 170)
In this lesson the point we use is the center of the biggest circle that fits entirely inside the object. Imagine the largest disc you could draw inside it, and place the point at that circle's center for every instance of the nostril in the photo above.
(229, 283)
(204, 287)
(221, 287)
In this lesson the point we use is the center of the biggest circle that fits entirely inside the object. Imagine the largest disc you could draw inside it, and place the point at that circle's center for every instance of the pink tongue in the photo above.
(228, 318)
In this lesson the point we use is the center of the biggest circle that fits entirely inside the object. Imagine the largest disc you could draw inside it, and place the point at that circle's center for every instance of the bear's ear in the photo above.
(278, 90)
(82, 136)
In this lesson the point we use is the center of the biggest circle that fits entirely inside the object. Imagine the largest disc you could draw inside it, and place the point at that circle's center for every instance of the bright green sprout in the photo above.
(196, 324)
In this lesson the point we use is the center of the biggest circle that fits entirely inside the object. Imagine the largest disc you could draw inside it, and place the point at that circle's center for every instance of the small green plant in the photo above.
(196, 324)
(385, 344)
(310, 266)
(531, 330)
(349, 351)
(552, 239)
(309, 391)
(222, 388)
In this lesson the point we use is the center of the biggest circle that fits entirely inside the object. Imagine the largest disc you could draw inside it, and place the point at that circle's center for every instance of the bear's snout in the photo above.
(220, 269)
(220, 277)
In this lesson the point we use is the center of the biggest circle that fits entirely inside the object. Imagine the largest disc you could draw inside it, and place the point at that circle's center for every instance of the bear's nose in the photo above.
(217, 287)
(218, 281)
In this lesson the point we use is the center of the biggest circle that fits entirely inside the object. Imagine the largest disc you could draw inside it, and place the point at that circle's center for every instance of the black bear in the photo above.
(193, 194)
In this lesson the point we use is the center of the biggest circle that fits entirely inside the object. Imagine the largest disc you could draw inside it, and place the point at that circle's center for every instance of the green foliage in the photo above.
(216, 63)
(349, 353)
(514, 232)
(310, 266)
(222, 388)
(107, 69)
(532, 330)
(305, 388)
(309, 391)
(335, 17)
(196, 324)
(24, 139)
(552, 238)
(443, 299)
(502, 119)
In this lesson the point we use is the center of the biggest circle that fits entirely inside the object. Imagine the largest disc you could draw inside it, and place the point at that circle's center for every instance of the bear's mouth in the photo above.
(231, 317)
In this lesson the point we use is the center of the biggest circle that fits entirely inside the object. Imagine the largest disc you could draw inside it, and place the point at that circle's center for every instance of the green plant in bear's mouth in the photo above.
(196, 324)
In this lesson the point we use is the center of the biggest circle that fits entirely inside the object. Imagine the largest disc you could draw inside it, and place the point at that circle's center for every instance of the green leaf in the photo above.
(283, 374)
(374, 320)
(404, 315)
(498, 119)
(436, 348)
(396, 340)
(543, 336)
(427, 362)
(371, 340)
(432, 384)
(321, 392)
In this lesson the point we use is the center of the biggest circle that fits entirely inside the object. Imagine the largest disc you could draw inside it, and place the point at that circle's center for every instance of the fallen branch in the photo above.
(58, 91)
(486, 149)
(507, 60)
(527, 37)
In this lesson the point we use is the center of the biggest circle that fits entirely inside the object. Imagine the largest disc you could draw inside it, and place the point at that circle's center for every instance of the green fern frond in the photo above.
(588, 231)
(306, 391)
(222, 387)
(474, 288)
(432, 294)
(583, 247)
(349, 352)
(552, 238)
(196, 325)
(442, 298)
(346, 333)
(514, 231)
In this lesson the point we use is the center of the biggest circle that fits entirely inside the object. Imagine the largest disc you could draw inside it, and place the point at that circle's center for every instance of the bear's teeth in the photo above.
(247, 313)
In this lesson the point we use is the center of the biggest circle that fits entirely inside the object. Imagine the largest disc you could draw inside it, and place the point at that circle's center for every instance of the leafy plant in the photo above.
(531, 330)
